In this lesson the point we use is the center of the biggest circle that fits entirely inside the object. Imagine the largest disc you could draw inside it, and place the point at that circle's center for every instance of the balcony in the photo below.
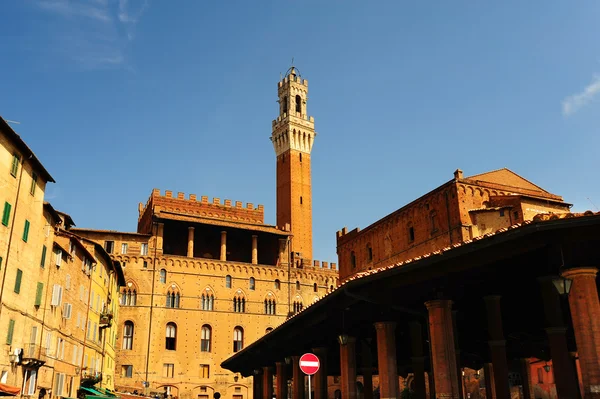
(32, 356)
(90, 377)
(106, 319)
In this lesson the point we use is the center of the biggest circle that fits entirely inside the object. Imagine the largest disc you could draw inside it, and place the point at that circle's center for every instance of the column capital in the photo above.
(439, 304)
(191, 227)
(580, 271)
(223, 231)
(254, 235)
(381, 325)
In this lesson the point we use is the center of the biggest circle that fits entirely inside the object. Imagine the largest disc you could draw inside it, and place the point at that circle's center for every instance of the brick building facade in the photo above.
(205, 278)
(455, 212)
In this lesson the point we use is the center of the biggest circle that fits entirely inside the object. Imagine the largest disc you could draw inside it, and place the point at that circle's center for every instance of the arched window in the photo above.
(270, 306)
(206, 338)
(268, 330)
(353, 259)
(277, 284)
(315, 287)
(298, 104)
(228, 281)
(369, 253)
(331, 288)
(128, 297)
(128, 335)
(252, 283)
(163, 276)
(208, 300)
(239, 304)
(432, 219)
(171, 337)
(173, 299)
(297, 305)
(298, 285)
(238, 339)
(285, 105)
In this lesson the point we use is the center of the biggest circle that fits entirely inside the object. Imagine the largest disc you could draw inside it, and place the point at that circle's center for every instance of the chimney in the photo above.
(458, 174)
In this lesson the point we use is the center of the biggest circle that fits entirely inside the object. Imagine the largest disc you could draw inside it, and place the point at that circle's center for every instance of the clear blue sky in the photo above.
(119, 97)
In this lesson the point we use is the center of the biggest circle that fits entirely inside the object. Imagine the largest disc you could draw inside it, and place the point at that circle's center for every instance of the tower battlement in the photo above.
(199, 206)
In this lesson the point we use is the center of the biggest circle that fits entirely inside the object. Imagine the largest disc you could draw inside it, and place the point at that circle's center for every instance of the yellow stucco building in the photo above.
(57, 308)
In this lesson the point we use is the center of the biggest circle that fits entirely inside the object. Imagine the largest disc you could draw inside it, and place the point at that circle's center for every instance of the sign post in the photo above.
(309, 365)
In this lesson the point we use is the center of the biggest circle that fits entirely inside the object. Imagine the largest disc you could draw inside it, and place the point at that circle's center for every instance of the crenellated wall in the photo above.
(228, 210)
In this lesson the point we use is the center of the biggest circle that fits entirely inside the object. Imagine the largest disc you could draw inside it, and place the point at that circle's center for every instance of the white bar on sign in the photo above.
(309, 364)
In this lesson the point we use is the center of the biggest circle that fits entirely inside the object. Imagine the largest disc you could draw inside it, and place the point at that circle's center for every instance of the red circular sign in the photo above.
(309, 363)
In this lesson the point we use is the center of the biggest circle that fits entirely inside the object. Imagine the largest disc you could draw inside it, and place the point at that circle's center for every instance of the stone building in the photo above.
(53, 344)
(205, 278)
(455, 212)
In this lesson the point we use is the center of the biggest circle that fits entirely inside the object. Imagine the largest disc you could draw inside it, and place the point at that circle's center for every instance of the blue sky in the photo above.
(118, 97)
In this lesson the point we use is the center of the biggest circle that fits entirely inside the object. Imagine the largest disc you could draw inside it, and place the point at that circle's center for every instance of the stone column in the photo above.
(348, 369)
(319, 380)
(461, 385)
(565, 377)
(223, 246)
(418, 360)
(160, 236)
(497, 346)
(190, 248)
(526, 377)
(254, 249)
(267, 384)
(443, 354)
(257, 385)
(297, 379)
(585, 313)
(386, 360)
(281, 381)
(488, 373)
(367, 369)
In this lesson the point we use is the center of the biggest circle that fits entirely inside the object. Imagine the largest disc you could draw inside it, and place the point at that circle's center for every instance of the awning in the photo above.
(7, 390)
(95, 393)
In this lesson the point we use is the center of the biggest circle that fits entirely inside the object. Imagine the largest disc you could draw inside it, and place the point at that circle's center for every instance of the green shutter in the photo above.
(38, 294)
(15, 165)
(26, 231)
(43, 263)
(33, 183)
(18, 281)
(6, 214)
(11, 330)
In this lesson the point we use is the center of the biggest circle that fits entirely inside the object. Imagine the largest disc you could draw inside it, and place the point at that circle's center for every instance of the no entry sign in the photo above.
(309, 363)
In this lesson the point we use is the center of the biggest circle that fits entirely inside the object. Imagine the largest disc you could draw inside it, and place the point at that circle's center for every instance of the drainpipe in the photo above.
(10, 234)
(146, 383)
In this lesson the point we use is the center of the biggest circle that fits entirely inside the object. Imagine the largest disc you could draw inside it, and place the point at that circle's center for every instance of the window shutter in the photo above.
(58, 257)
(56, 295)
(6, 214)
(26, 231)
(18, 281)
(38, 294)
(43, 263)
(11, 330)
(67, 311)
(68, 282)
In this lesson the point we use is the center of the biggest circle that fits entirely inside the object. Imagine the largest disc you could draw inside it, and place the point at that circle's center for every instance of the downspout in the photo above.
(106, 329)
(10, 234)
(87, 319)
(146, 384)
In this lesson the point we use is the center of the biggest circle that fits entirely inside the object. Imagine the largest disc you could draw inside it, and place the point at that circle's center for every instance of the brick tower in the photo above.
(293, 136)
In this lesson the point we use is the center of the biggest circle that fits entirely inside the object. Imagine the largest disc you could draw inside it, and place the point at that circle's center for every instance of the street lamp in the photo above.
(562, 285)
(288, 360)
(343, 339)
(547, 367)
(477, 375)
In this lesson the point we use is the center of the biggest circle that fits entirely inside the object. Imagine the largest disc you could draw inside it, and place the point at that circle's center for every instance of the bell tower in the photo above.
(293, 136)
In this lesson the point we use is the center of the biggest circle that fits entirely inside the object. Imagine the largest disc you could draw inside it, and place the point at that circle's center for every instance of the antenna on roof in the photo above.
(592, 203)
(15, 122)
